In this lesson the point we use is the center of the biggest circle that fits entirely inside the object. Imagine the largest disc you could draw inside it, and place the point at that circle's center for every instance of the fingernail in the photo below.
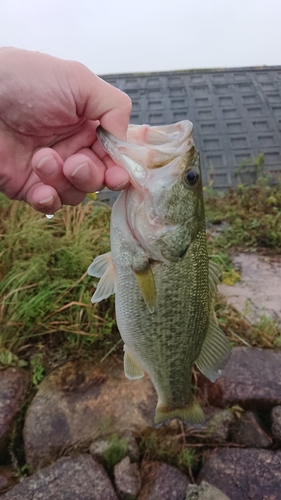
(48, 165)
(81, 172)
(48, 201)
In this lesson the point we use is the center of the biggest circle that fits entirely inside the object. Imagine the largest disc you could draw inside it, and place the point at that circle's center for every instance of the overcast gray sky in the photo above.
(121, 36)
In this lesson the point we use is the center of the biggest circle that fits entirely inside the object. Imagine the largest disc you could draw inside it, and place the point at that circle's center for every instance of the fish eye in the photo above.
(191, 177)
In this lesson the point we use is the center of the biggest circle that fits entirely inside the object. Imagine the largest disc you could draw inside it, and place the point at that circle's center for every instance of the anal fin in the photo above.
(131, 368)
(215, 353)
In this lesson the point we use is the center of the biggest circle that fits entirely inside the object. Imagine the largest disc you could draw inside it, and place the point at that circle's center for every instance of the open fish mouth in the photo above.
(148, 147)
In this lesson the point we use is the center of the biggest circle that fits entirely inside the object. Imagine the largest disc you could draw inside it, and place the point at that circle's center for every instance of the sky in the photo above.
(129, 36)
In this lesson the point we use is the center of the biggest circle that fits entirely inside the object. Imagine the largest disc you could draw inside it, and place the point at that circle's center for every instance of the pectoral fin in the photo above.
(131, 369)
(214, 354)
(146, 283)
(103, 267)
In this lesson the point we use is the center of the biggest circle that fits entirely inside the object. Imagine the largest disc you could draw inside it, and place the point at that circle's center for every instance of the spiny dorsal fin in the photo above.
(103, 267)
(146, 283)
(131, 368)
(214, 354)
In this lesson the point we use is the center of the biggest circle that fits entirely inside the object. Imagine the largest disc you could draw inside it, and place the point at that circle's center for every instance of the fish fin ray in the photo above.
(147, 286)
(215, 353)
(191, 414)
(100, 265)
(214, 277)
(107, 283)
(131, 368)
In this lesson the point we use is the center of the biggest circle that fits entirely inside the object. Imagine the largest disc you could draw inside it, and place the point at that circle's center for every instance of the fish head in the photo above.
(165, 207)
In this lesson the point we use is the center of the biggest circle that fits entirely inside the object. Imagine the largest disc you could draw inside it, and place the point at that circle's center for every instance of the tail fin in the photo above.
(191, 414)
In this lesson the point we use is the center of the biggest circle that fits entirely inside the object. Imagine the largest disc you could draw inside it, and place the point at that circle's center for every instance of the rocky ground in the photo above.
(81, 410)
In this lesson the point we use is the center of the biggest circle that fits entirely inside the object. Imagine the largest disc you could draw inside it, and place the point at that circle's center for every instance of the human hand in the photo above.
(49, 112)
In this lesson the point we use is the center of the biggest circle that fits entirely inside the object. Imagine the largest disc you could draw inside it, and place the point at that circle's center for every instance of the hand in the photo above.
(49, 112)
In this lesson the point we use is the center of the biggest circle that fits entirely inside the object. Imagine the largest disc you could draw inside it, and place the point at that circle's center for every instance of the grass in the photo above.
(44, 287)
(253, 214)
(169, 447)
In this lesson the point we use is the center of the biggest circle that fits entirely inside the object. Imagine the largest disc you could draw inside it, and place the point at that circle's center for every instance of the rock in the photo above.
(79, 478)
(276, 423)
(248, 432)
(7, 478)
(78, 402)
(218, 424)
(14, 383)
(127, 479)
(244, 474)
(250, 379)
(160, 480)
(205, 491)
(259, 290)
(100, 447)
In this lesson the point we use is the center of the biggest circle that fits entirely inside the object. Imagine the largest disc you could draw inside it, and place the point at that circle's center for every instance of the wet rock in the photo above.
(250, 379)
(14, 383)
(127, 479)
(205, 491)
(79, 478)
(160, 480)
(276, 423)
(248, 432)
(218, 424)
(77, 402)
(7, 478)
(244, 474)
(259, 290)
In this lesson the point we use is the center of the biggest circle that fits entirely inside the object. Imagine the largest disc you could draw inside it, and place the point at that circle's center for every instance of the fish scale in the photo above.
(159, 268)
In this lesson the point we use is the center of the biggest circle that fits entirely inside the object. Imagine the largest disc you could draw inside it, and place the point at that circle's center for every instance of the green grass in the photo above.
(44, 287)
(253, 214)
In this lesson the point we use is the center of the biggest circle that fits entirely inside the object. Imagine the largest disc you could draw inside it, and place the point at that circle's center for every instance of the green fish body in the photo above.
(159, 269)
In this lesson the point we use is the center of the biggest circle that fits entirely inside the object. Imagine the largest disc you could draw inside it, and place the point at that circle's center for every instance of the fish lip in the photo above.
(148, 148)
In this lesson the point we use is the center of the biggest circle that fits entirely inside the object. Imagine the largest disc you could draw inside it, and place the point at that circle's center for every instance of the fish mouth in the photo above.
(147, 147)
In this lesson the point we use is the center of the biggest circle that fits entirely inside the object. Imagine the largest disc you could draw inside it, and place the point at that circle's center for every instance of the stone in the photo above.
(127, 479)
(276, 423)
(251, 379)
(259, 292)
(248, 432)
(78, 402)
(99, 448)
(244, 474)
(205, 491)
(79, 478)
(14, 384)
(160, 480)
(218, 424)
(7, 478)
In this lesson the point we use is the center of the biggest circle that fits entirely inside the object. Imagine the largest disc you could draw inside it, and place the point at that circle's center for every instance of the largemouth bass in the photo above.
(159, 268)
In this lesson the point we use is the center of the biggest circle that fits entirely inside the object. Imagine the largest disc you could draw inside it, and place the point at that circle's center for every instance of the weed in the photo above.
(116, 451)
(44, 289)
(253, 214)
(166, 445)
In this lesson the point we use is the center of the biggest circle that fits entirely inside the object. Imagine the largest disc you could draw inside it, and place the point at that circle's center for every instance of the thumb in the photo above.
(98, 100)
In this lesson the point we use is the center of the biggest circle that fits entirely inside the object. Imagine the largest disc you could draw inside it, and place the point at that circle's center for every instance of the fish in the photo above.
(159, 268)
